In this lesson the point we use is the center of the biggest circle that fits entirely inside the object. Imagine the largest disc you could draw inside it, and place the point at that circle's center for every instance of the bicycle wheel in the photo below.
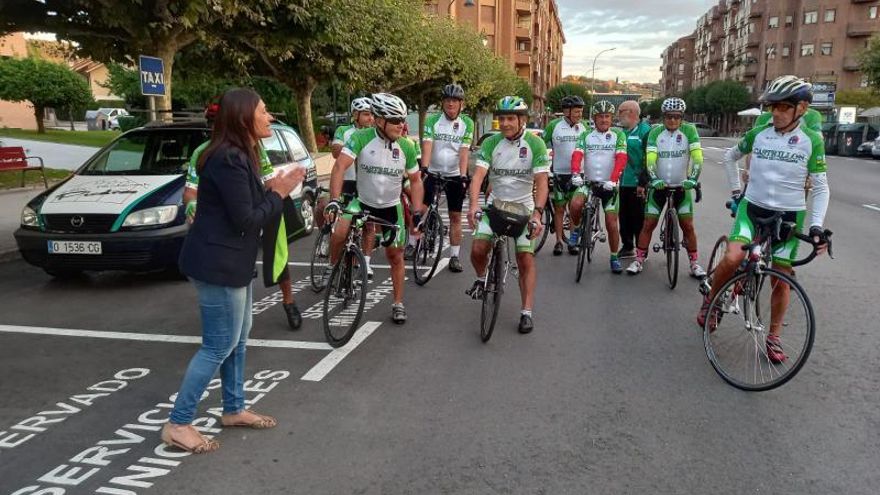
(589, 221)
(320, 259)
(547, 220)
(672, 246)
(716, 257)
(428, 249)
(345, 297)
(492, 293)
(584, 241)
(737, 347)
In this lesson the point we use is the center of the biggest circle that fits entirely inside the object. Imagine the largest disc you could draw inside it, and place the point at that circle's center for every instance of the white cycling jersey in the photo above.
(562, 138)
(381, 166)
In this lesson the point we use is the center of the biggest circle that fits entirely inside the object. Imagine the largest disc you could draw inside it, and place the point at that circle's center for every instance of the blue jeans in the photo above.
(226, 322)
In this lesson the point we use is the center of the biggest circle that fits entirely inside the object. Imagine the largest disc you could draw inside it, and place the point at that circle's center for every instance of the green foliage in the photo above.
(724, 97)
(869, 63)
(84, 138)
(862, 98)
(696, 100)
(524, 91)
(42, 83)
(651, 109)
(125, 83)
(129, 122)
(556, 93)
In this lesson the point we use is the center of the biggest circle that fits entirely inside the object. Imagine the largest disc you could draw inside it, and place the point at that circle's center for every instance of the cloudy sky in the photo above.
(639, 30)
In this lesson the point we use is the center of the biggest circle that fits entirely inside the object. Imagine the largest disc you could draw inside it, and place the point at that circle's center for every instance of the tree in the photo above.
(651, 109)
(44, 84)
(725, 97)
(695, 100)
(556, 93)
(862, 98)
(120, 30)
(869, 63)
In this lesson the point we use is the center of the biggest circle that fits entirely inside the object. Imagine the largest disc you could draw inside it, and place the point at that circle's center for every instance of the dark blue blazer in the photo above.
(221, 246)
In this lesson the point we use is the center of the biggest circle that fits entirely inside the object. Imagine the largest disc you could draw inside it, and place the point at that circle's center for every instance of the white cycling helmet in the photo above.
(673, 105)
(361, 105)
(388, 106)
(788, 88)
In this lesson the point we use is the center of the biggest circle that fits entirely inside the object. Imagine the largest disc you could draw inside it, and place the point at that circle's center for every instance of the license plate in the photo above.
(74, 247)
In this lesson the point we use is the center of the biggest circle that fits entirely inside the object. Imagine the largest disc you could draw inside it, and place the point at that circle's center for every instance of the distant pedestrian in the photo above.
(634, 178)
(219, 254)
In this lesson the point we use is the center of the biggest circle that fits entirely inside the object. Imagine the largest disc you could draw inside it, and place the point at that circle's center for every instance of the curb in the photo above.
(9, 255)
(25, 189)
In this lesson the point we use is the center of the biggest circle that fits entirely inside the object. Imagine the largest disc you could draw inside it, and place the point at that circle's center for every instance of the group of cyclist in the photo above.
(374, 158)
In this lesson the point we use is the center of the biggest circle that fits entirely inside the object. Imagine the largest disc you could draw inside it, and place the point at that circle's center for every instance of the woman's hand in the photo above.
(286, 181)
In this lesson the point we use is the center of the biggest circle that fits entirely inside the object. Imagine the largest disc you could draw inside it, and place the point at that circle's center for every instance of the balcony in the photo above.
(862, 1)
(753, 40)
(859, 29)
(522, 58)
(715, 59)
(523, 32)
(524, 6)
(851, 64)
(757, 10)
(751, 70)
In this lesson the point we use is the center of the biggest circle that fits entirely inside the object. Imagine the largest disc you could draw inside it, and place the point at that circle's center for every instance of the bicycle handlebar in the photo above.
(809, 240)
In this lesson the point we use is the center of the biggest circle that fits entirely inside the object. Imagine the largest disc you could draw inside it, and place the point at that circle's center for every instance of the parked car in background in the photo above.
(875, 150)
(866, 149)
(108, 118)
(704, 130)
(122, 209)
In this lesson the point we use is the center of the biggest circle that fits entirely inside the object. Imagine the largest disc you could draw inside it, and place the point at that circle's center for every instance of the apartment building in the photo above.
(677, 70)
(527, 33)
(755, 41)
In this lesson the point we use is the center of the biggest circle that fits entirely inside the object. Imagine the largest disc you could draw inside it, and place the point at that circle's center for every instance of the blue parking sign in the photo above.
(152, 71)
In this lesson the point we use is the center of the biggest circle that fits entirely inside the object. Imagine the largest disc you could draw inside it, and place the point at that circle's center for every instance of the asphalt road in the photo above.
(612, 392)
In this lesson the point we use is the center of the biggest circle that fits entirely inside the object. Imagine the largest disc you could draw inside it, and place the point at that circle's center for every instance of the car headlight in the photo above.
(29, 217)
(151, 216)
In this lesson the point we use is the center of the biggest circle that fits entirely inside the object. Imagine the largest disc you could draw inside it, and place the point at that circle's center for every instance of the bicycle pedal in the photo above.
(602, 237)
(656, 248)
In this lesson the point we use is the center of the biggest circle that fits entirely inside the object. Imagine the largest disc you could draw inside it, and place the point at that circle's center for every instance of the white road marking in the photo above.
(148, 337)
(326, 365)
(872, 207)
(308, 264)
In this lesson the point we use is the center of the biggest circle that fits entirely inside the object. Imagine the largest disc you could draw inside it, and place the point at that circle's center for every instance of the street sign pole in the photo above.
(152, 75)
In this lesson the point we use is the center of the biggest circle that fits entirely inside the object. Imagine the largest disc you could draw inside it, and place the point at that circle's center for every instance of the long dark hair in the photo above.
(234, 126)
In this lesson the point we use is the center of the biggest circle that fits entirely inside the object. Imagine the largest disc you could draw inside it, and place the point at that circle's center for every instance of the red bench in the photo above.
(12, 159)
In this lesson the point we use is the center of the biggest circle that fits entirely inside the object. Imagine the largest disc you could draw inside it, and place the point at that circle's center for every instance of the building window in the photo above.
(773, 22)
(826, 48)
(771, 52)
(786, 51)
(811, 17)
(789, 20)
(807, 49)
(522, 46)
(830, 15)
(681, 68)
(490, 41)
(872, 12)
(487, 14)
(681, 52)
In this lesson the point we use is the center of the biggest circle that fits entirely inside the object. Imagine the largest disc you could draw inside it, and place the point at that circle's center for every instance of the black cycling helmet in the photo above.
(452, 91)
(791, 89)
(572, 101)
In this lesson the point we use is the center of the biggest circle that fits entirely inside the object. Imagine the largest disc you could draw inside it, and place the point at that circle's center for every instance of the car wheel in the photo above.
(307, 210)
(63, 273)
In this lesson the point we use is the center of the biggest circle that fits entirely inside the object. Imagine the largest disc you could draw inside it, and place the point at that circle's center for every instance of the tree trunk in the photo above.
(38, 113)
(304, 90)
(166, 50)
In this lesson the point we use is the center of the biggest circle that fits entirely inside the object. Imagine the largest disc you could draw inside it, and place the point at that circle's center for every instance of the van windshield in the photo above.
(148, 152)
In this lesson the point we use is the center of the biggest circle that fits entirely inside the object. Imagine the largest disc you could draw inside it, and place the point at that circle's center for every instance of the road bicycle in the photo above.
(347, 283)
(740, 314)
(430, 244)
(670, 232)
(590, 231)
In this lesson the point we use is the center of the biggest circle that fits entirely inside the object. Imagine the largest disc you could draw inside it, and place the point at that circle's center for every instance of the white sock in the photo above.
(412, 241)
(526, 312)
(367, 259)
(453, 250)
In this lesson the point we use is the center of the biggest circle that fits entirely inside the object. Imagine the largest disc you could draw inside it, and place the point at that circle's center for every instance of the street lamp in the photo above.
(467, 3)
(593, 82)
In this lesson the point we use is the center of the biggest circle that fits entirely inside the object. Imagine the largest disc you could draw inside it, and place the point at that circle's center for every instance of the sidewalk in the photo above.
(11, 203)
(54, 155)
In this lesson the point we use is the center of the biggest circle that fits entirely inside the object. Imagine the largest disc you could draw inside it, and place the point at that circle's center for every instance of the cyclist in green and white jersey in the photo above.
(446, 146)
(518, 167)
(604, 152)
(784, 154)
(675, 158)
(561, 137)
(275, 247)
(383, 160)
(361, 118)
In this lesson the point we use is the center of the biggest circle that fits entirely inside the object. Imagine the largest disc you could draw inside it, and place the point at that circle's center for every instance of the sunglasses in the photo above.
(781, 106)
(395, 120)
(672, 116)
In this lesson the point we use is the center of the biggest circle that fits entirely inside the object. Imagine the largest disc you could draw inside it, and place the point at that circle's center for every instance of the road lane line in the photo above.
(872, 207)
(148, 337)
(308, 264)
(326, 365)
